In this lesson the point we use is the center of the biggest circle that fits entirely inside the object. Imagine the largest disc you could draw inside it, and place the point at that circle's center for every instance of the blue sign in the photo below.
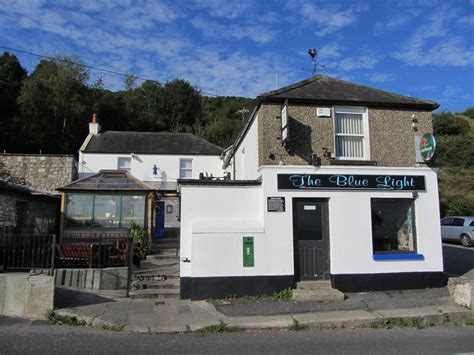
(349, 181)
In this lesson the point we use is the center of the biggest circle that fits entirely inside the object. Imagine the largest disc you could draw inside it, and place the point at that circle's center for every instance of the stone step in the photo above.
(162, 284)
(325, 294)
(165, 293)
(313, 285)
(164, 254)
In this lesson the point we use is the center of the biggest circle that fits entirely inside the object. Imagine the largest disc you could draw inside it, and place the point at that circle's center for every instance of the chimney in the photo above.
(94, 127)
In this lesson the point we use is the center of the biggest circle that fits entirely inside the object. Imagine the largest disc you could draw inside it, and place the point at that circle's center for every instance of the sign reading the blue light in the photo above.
(348, 181)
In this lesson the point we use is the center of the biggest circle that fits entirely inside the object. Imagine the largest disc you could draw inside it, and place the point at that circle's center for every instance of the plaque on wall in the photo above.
(275, 204)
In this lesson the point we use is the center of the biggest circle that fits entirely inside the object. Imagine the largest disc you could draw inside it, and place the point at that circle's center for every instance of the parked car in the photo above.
(458, 228)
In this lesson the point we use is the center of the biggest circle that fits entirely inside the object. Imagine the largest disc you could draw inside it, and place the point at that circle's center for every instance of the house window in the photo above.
(351, 133)
(185, 168)
(393, 226)
(104, 211)
(124, 164)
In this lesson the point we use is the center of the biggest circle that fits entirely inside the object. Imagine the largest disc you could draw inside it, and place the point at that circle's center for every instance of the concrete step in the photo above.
(173, 283)
(164, 254)
(325, 294)
(313, 285)
(165, 293)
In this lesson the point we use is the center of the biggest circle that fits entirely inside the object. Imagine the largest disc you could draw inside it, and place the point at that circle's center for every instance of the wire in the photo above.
(90, 67)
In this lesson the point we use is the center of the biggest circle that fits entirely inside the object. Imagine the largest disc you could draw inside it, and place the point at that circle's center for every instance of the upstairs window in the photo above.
(124, 164)
(351, 133)
(185, 168)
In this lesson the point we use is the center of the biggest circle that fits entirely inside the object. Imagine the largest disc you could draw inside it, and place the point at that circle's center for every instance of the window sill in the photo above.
(383, 257)
(353, 162)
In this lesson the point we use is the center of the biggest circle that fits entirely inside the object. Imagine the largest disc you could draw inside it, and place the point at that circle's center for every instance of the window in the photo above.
(185, 168)
(104, 211)
(457, 222)
(446, 221)
(169, 208)
(351, 133)
(393, 226)
(124, 164)
(79, 210)
(107, 211)
(133, 211)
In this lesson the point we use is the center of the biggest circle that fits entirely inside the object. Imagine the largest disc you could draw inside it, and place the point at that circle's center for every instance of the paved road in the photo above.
(18, 337)
(457, 259)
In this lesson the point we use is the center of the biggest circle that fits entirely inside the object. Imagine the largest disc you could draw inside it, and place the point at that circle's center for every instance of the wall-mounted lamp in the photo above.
(414, 123)
(315, 160)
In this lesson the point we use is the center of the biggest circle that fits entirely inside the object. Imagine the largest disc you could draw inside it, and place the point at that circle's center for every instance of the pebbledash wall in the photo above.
(212, 237)
(45, 172)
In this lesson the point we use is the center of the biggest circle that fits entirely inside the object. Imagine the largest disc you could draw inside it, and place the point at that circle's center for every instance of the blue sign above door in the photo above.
(349, 181)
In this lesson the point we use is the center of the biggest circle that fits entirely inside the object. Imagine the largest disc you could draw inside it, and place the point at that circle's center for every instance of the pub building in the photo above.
(331, 180)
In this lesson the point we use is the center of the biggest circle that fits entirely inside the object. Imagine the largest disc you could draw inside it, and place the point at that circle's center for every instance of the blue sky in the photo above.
(421, 48)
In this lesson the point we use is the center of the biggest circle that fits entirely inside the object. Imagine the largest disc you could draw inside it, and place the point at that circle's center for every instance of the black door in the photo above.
(311, 239)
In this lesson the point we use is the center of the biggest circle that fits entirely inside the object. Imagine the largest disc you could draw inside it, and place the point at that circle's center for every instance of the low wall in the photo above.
(462, 292)
(24, 295)
(113, 278)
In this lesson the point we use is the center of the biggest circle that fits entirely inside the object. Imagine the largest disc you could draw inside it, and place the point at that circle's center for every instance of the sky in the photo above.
(418, 48)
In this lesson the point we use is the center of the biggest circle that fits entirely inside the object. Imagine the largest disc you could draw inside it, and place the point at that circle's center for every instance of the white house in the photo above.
(158, 159)
(328, 183)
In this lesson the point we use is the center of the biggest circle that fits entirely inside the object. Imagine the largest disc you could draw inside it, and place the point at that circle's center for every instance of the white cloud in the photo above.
(391, 23)
(357, 63)
(325, 19)
(378, 77)
(433, 44)
(230, 9)
(331, 50)
(256, 33)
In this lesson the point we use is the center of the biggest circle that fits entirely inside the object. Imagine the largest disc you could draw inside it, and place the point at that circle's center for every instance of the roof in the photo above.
(108, 180)
(324, 89)
(330, 91)
(150, 143)
(163, 185)
(25, 190)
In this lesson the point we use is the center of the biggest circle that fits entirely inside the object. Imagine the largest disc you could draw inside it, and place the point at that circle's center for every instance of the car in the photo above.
(458, 228)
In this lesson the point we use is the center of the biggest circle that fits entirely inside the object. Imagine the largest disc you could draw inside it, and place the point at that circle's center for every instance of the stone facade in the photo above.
(39, 216)
(392, 139)
(40, 172)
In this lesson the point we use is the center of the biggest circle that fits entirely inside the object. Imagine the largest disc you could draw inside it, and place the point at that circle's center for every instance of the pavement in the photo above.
(372, 309)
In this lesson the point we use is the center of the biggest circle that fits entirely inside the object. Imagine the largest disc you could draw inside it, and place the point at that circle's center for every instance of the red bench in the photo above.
(80, 254)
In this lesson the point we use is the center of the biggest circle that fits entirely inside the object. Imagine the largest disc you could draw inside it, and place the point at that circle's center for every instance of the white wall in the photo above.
(350, 228)
(246, 156)
(142, 165)
(214, 220)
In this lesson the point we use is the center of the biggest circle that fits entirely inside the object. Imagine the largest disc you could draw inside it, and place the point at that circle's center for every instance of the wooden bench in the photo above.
(74, 254)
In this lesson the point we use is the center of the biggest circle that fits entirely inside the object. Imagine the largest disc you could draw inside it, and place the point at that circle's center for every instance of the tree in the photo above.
(12, 75)
(55, 107)
(445, 123)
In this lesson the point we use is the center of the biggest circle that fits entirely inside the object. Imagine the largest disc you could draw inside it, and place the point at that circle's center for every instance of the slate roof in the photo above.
(108, 180)
(25, 190)
(324, 89)
(151, 143)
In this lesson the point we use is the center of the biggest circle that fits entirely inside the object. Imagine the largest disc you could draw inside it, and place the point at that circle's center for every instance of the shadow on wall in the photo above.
(300, 140)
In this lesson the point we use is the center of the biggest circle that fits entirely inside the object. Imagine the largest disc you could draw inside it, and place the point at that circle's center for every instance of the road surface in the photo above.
(457, 259)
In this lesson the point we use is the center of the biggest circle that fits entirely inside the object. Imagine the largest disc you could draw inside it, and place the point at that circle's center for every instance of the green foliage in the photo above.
(55, 106)
(285, 294)
(469, 112)
(60, 319)
(296, 326)
(455, 150)
(12, 76)
(445, 123)
(113, 327)
(221, 327)
(138, 234)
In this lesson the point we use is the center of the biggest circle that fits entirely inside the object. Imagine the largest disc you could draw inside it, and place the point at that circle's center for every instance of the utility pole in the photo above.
(243, 111)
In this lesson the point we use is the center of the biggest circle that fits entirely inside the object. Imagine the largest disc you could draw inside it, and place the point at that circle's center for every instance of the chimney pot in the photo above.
(94, 118)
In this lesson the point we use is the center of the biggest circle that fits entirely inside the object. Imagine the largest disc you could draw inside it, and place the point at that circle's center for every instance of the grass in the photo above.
(296, 326)
(113, 327)
(60, 319)
(221, 327)
(285, 294)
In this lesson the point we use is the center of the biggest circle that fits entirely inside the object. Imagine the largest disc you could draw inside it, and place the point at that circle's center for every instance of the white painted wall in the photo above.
(214, 220)
(246, 156)
(350, 228)
(142, 165)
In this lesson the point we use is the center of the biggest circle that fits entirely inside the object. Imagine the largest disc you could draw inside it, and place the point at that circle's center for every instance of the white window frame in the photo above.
(366, 136)
(124, 158)
(187, 169)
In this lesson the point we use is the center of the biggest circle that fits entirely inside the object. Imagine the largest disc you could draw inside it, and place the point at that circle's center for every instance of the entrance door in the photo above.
(311, 239)
(160, 219)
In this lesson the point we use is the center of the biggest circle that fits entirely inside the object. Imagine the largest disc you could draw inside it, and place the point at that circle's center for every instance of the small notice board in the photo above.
(275, 204)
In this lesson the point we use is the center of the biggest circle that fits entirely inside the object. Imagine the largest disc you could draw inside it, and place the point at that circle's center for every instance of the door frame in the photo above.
(325, 223)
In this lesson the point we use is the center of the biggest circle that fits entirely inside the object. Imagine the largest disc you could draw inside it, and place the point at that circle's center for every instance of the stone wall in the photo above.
(40, 172)
(40, 217)
(392, 142)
